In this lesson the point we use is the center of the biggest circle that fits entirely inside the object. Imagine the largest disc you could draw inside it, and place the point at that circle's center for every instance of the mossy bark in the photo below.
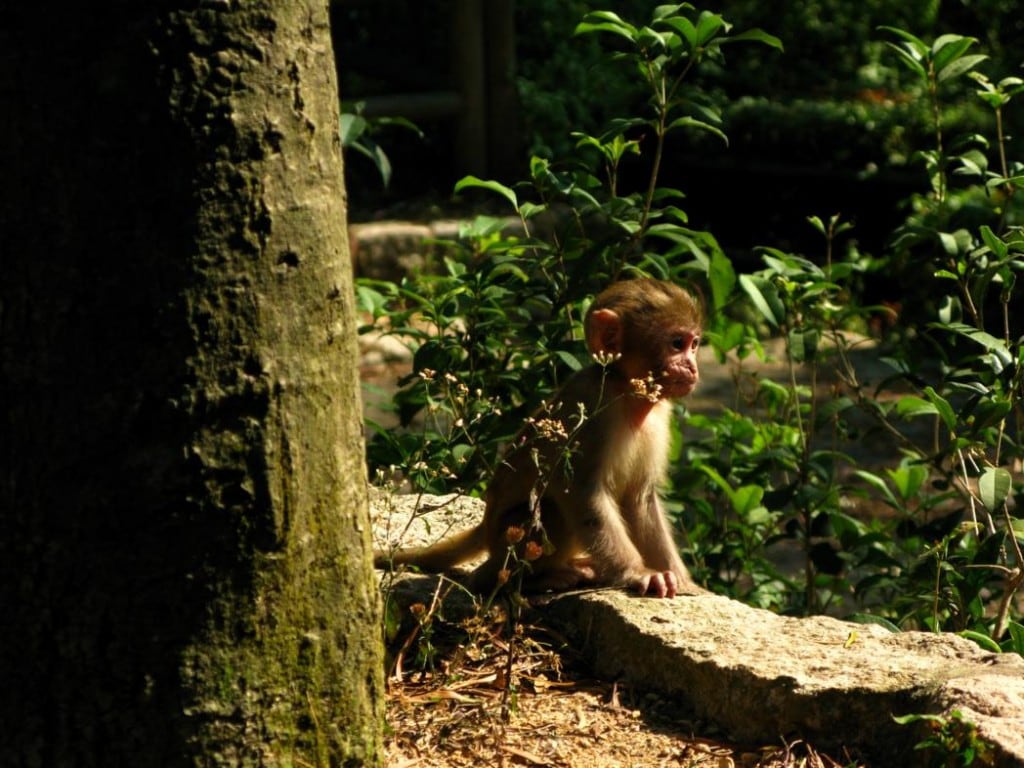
(185, 553)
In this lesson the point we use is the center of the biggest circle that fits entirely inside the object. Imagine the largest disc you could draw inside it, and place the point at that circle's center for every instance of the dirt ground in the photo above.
(573, 724)
(486, 704)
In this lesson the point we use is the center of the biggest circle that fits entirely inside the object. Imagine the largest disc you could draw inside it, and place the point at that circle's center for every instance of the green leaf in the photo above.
(914, 43)
(352, 127)
(910, 406)
(1015, 181)
(653, 40)
(973, 163)
(606, 21)
(472, 181)
(960, 66)
(913, 51)
(832, 408)
(989, 412)
(803, 344)
(684, 28)
(942, 407)
(400, 122)
(662, 12)
(912, 63)
(461, 452)
(914, 718)
(718, 480)
(1016, 641)
(692, 122)
(754, 36)
(879, 485)
(984, 641)
(791, 266)
(746, 498)
(949, 309)
(948, 48)
(365, 146)
(707, 27)
(765, 298)
(529, 210)
(949, 243)
(569, 359)
(758, 516)
(722, 278)
(994, 345)
(995, 244)
(729, 336)
(994, 486)
(908, 480)
(817, 223)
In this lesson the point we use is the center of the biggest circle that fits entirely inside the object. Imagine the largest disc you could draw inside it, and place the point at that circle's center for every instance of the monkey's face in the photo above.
(666, 358)
(652, 328)
(678, 373)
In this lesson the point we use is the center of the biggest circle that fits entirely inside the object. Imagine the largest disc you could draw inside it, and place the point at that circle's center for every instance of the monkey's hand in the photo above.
(665, 584)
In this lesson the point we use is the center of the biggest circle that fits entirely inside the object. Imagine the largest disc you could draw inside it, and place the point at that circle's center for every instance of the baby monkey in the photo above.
(588, 512)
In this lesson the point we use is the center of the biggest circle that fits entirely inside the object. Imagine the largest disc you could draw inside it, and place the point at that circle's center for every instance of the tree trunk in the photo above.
(184, 550)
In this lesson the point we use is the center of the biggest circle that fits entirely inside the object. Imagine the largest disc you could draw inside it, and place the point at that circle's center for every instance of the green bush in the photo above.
(499, 322)
(496, 328)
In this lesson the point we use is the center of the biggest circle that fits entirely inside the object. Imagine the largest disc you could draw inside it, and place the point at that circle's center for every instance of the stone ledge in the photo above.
(756, 675)
(391, 250)
(833, 683)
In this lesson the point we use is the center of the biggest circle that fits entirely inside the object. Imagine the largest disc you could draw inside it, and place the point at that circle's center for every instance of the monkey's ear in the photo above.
(604, 332)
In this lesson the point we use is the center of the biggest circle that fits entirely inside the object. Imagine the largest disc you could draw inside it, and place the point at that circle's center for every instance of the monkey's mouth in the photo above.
(665, 385)
(677, 386)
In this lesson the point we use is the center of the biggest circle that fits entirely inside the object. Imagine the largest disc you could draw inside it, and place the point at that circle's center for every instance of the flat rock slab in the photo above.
(759, 676)
(833, 683)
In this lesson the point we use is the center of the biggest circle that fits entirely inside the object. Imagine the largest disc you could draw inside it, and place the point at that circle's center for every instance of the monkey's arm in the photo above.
(656, 543)
(613, 554)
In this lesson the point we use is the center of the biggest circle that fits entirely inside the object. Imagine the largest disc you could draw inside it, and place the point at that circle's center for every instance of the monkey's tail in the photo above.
(445, 554)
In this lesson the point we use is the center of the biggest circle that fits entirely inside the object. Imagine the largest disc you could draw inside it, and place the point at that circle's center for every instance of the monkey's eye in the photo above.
(679, 343)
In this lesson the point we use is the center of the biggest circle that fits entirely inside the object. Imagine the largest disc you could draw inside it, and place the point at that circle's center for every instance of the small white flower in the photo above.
(604, 359)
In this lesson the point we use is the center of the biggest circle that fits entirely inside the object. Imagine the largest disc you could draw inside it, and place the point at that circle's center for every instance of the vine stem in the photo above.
(1014, 581)
(663, 95)
(933, 94)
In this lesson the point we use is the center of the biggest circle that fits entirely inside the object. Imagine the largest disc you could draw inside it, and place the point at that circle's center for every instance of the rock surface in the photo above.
(756, 675)
(390, 250)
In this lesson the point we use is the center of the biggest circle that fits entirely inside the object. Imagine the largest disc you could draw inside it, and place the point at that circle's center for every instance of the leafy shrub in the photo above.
(496, 328)
(494, 331)
(954, 738)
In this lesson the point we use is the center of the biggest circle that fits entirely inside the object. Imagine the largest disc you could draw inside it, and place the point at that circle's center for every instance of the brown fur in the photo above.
(601, 521)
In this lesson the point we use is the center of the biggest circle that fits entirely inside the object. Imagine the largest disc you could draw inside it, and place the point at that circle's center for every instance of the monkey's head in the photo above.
(654, 328)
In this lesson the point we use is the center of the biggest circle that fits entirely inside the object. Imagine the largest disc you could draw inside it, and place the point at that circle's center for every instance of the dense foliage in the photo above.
(932, 540)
